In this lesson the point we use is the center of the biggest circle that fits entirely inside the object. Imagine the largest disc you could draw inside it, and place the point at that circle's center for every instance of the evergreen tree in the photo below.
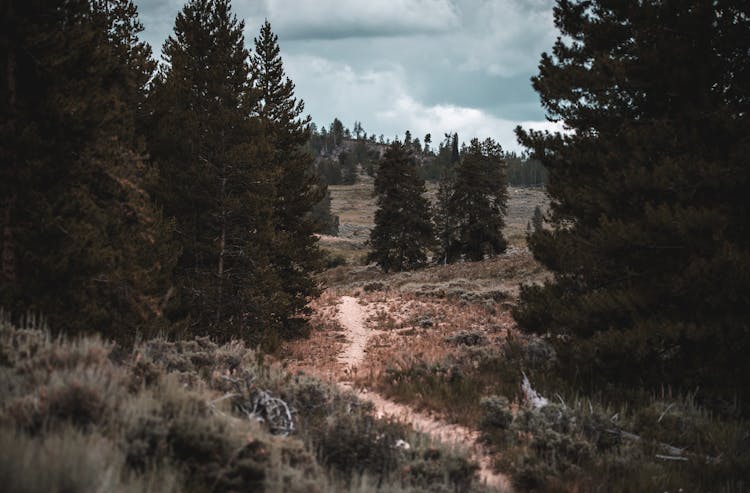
(650, 241)
(402, 235)
(326, 223)
(330, 171)
(213, 179)
(537, 220)
(337, 132)
(455, 156)
(444, 220)
(477, 204)
(407, 139)
(296, 254)
(417, 146)
(359, 131)
(81, 241)
(348, 167)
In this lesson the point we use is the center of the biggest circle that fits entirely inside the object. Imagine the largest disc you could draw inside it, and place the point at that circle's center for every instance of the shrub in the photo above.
(191, 415)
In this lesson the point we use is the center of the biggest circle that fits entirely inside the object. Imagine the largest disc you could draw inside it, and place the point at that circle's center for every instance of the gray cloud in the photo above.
(427, 65)
(333, 19)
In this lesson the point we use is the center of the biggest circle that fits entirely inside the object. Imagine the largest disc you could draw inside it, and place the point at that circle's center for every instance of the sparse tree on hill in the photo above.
(444, 220)
(359, 131)
(650, 239)
(325, 222)
(336, 132)
(455, 156)
(402, 235)
(407, 139)
(348, 166)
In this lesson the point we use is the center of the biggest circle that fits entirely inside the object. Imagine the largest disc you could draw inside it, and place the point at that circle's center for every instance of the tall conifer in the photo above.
(82, 242)
(650, 238)
(296, 254)
(403, 234)
(211, 156)
(477, 203)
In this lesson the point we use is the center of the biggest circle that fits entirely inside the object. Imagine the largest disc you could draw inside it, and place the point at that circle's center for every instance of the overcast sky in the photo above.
(423, 65)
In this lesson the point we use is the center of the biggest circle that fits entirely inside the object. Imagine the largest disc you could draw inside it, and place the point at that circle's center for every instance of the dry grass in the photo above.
(195, 416)
(496, 278)
(355, 206)
(318, 353)
(414, 328)
(444, 343)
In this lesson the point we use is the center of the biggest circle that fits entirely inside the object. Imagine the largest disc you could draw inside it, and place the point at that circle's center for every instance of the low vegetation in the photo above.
(470, 370)
(83, 415)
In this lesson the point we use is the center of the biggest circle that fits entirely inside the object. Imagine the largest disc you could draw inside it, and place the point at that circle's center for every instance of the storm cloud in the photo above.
(424, 65)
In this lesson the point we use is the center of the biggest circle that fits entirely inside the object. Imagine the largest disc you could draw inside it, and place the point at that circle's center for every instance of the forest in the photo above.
(201, 289)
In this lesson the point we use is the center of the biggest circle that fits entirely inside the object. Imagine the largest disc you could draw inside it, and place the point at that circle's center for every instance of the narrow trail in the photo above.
(352, 317)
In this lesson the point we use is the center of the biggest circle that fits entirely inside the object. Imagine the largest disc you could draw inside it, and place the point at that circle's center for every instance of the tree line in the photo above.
(341, 168)
(139, 198)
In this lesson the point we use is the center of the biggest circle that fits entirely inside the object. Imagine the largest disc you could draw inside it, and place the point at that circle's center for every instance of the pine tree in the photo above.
(402, 235)
(537, 220)
(82, 242)
(650, 242)
(443, 218)
(336, 133)
(348, 166)
(477, 203)
(455, 156)
(211, 156)
(407, 139)
(299, 188)
(427, 142)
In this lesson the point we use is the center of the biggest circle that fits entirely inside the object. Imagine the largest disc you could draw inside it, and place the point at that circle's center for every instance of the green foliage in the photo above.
(81, 240)
(649, 243)
(472, 203)
(522, 171)
(330, 171)
(296, 256)
(403, 233)
(325, 222)
(537, 220)
(211, 155)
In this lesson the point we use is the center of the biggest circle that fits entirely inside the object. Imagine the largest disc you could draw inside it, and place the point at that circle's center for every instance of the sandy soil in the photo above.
(352, 317)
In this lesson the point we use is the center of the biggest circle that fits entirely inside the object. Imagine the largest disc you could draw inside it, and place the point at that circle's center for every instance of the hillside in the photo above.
(355, 207)
(439, 349)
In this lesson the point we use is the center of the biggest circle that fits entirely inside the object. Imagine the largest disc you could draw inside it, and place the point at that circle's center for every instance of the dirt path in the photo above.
(352, 317)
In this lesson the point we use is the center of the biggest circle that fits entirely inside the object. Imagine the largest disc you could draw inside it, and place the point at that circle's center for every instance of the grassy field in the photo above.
(355, 206)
